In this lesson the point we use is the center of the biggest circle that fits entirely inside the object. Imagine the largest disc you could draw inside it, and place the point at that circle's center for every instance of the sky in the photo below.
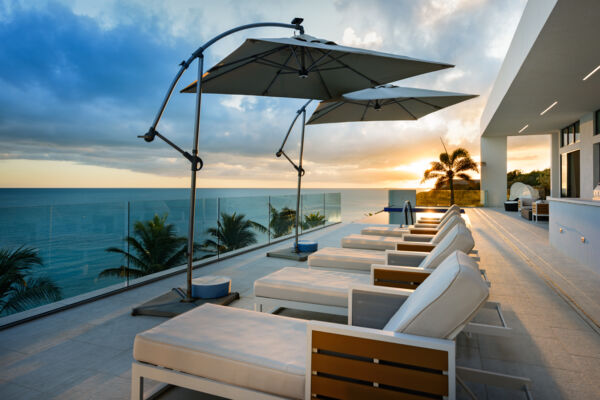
(79, 80)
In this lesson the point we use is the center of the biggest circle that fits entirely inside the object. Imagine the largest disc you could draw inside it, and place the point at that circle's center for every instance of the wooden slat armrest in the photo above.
(349, 362)
(415, 246)
(399, 278)
(422, 231)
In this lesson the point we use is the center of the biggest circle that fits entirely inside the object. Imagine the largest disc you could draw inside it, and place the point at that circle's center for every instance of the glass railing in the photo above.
(465, 198)
(69, 250)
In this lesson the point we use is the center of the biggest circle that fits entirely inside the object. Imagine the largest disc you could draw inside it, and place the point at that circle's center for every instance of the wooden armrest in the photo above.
(415, 246)
(429, 222)
(398, 278)
(423, 231)
(391, 364)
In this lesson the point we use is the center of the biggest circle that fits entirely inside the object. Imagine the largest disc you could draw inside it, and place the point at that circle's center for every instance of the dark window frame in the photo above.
(570, 134)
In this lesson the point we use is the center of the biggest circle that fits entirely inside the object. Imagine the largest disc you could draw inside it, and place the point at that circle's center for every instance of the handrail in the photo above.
(408, 206)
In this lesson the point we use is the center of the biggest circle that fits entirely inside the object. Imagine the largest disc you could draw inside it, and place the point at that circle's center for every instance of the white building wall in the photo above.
(555, 165)
(493, 170)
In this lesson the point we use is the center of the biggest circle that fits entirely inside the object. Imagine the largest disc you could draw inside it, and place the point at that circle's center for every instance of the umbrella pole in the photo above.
(300, 173)
(190, 244)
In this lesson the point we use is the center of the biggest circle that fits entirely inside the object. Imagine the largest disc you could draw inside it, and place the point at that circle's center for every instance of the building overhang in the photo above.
(556, 45)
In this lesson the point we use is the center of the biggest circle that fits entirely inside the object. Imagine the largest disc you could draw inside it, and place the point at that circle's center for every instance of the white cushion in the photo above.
(372, 242)
(244, 348)
(444, 303)
(309, 285)
(353, 259)
(459, 238)
(443, 231)
(384, 231)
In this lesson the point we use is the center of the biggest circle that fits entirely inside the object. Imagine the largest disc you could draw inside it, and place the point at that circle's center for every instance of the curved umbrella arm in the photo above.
(280, 152)
(152, 132)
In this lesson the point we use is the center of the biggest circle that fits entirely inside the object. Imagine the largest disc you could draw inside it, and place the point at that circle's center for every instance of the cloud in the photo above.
(79, 80)
(370, 40)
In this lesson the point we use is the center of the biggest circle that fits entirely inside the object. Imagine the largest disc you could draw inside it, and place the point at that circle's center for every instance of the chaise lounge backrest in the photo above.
(443, 231)
(445, 302)
(459, 238)
(447, 217)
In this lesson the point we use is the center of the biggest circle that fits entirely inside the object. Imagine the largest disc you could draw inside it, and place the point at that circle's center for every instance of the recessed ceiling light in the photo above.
(592, 73)
(549, 108)
(523, 128)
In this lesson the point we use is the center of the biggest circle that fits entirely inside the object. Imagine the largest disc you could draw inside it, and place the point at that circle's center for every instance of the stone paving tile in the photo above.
(10, 390)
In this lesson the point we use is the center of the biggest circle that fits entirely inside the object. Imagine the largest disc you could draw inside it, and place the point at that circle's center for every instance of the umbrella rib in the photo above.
(405, 109)
(320, 76)
(252, 57)
(362, 117)
(314, 64)
(426, 103)
(273, 64)
(372, 81)
(277, 75)
(326, 111)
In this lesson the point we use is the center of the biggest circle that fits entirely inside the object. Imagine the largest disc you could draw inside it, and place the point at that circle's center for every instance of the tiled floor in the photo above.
(86, 352)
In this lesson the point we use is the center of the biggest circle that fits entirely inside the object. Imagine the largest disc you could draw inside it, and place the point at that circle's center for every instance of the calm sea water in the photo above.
(72, 228)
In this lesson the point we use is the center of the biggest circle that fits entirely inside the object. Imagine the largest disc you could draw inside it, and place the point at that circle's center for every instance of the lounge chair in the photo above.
(372, 242)
(395, 344)
(453, 207)
(327, 291)
(414, 234)
(425, 255)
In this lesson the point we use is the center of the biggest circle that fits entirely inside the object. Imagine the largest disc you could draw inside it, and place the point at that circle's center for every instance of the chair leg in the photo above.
(137, 385)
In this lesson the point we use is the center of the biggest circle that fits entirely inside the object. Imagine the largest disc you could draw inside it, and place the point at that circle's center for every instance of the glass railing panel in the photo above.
(333, 207)
(282, 216)
(313, 211)
(244, 222)
(167, 221)
(72, 243)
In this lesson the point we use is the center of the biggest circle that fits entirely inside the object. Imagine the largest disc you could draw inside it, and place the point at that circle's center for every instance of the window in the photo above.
(597, 123)
(570, 134)
(569, 174)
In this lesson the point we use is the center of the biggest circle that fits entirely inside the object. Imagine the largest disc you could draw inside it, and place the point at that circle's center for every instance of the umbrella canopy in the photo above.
(306, 67)
(384, 103)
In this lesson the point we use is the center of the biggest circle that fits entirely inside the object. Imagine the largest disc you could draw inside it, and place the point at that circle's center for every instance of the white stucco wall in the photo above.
(555, 165)
(493, 169)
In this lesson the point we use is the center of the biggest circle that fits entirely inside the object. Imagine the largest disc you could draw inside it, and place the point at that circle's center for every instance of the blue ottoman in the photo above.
(307, 246)
(211, 287)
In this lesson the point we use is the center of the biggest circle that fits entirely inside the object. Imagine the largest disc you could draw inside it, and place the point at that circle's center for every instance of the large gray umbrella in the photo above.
(385, 103)
(303, 66)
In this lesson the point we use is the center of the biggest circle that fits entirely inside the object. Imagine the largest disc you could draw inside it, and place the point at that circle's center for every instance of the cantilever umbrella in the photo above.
(381, 103)
(384, 103)
(305, 67)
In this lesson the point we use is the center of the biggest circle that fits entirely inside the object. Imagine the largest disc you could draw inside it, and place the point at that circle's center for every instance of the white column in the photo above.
(493, 169)
(555, 164)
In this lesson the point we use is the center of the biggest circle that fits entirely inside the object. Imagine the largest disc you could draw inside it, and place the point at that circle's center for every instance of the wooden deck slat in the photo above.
(352, 391)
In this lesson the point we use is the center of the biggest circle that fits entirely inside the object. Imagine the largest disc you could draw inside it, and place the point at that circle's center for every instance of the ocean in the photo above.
(72, 228)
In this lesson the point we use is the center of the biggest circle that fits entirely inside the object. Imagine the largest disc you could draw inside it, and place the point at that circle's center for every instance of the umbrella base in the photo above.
(289, 254)
(172, 303)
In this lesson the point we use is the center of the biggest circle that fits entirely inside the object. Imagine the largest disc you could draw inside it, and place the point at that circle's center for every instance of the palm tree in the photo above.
(18, 290)
(233, 232)
(155, 248)
(450, 167)
(312, 220)
(281, 222)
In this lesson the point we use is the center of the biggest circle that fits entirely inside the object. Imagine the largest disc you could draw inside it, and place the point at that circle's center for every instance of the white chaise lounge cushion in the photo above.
(309, 285)
(244, 348)
(373, 242)
(459, 238)
(444, 303)
(443, 231)
(351, 259)
(385, 231)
